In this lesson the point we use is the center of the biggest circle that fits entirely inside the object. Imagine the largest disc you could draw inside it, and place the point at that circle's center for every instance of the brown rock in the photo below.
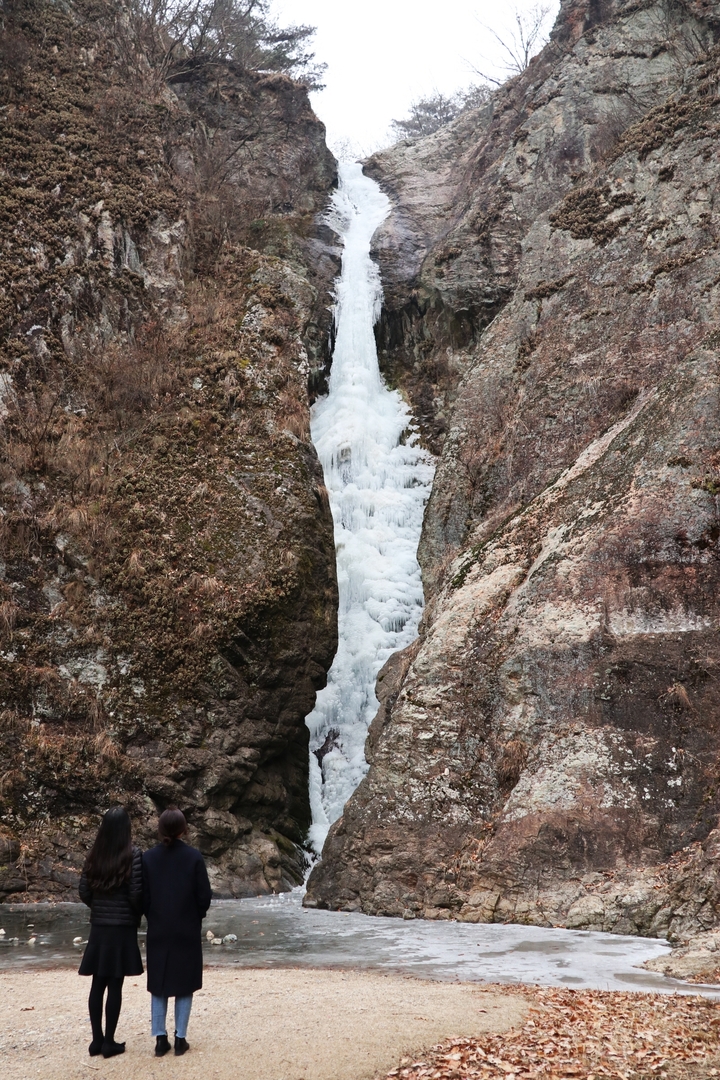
(168, 595)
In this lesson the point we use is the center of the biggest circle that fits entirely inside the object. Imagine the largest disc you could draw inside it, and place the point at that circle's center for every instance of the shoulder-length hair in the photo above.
(110, 860)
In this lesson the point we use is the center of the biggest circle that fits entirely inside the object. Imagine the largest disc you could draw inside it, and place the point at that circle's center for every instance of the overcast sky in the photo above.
(383, 54)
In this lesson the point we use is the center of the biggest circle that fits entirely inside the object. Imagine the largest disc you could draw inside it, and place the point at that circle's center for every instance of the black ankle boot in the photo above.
(95, 1048)
(181, 1046)
(111, 1049)
(162, 1045)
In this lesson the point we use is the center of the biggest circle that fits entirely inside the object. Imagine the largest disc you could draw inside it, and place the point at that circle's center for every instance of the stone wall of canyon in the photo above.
(167, 585)
(547, 751)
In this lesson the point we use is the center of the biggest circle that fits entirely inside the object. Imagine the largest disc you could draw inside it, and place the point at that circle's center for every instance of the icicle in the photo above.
(379, 481)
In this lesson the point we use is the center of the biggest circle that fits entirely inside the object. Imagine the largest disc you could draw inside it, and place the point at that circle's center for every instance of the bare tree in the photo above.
(521, 42)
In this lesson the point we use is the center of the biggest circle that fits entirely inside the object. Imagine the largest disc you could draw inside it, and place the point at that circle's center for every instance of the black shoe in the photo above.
(95, 1048)
(162, 1045)
(111, 1049)
(181, 1046)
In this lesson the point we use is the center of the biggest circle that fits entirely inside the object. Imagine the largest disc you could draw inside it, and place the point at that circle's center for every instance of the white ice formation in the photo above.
(379, 481)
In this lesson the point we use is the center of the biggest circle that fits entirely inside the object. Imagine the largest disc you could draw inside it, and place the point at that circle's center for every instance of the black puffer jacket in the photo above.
(121, 907)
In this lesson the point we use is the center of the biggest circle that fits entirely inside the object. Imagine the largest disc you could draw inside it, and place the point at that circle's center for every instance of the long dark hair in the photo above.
(171, 825)
(109, 862)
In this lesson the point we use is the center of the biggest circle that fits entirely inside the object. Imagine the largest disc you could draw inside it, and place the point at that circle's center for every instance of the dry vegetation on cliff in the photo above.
(167, 596)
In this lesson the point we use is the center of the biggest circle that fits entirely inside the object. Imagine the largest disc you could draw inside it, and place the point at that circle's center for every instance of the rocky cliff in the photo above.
(167, 585)
(548, 750)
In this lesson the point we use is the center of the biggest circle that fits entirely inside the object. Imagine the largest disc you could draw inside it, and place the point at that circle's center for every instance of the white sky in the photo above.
(383, 54)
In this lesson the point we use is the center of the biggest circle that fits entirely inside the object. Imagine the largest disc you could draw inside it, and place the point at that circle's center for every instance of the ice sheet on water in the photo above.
(379, 480)
(277, 931)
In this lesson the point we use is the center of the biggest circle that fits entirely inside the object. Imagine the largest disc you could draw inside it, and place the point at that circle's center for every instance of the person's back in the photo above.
(176, 896)
(120, 906)
(111, 886)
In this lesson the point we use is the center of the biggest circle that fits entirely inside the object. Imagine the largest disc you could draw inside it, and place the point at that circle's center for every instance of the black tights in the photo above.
(112, 1008)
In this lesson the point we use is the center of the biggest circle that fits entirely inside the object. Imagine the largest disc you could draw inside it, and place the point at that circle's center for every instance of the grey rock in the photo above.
(546, 754)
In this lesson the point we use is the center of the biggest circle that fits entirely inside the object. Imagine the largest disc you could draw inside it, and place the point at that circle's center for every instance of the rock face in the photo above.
(167, 594)
(547, 752)
(465, 198)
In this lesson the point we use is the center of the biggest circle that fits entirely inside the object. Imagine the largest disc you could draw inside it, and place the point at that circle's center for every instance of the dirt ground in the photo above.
(247, 1025)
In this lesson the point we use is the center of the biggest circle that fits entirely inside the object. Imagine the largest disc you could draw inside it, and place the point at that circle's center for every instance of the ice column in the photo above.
(379, 481)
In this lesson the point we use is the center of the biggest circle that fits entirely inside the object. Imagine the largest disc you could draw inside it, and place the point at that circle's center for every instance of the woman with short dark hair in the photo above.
(111, 886)
(176, 897)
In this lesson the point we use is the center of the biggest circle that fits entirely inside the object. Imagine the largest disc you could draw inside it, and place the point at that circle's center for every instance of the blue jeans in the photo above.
(183, 1005)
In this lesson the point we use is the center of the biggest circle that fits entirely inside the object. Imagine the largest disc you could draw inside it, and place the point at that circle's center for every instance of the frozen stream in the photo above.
(378, 480)
(278, 932)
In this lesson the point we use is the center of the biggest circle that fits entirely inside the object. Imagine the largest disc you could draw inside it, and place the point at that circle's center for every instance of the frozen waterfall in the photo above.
(379, 480)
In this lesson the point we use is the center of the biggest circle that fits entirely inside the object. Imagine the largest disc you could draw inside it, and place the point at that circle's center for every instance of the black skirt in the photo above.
(111, 952)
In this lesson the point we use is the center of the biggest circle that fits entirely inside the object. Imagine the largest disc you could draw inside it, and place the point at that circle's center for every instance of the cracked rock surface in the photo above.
(167, 577)
(547, 751)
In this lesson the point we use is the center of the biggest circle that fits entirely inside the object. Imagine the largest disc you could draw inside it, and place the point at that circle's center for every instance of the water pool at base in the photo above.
(277, 931)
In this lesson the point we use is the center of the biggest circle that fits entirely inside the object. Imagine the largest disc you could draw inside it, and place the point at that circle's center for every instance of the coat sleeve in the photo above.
(203, 892)
(136, 883)
(145, 884)
(84, 889)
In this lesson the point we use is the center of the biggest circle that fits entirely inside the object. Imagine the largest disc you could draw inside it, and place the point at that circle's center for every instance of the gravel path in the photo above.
(247, 1025)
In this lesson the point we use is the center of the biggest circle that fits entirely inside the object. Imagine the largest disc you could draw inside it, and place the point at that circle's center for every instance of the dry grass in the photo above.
(512, 762)
(293, 416)
(677, 697)
(8, 617)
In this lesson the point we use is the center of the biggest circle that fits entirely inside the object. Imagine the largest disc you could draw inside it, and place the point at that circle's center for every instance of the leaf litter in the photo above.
(586, 1035)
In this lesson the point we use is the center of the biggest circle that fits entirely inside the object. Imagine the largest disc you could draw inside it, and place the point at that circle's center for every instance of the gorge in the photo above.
(546, 749)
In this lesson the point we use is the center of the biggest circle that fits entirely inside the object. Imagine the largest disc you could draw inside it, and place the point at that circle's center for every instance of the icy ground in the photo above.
(277, 931)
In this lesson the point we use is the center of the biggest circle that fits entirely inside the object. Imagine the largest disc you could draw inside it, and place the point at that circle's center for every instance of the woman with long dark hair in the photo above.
(111, 886)
(176, 896)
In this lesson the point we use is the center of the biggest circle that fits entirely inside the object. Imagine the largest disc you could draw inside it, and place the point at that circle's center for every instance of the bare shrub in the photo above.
(127, 381)
(686, 41)
(429, 114)
(28, 425)
(521, 41)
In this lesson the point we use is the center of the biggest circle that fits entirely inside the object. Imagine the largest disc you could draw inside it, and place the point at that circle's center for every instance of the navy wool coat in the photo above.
(176, 897)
